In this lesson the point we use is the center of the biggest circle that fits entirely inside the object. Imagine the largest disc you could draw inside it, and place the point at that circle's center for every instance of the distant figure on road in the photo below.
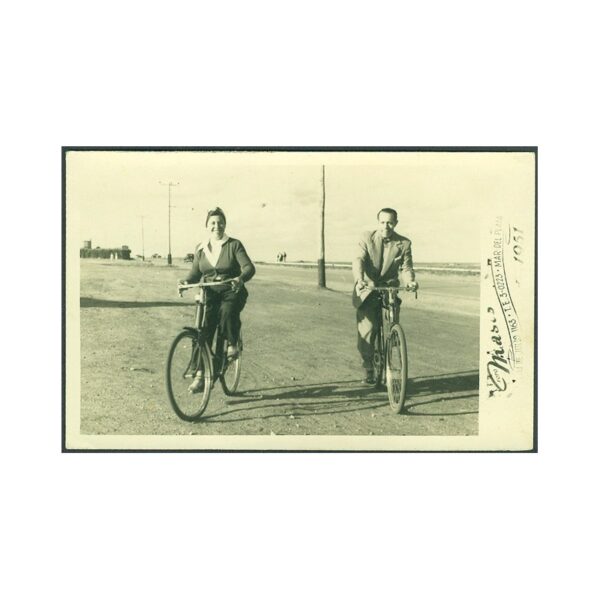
(279, 257)
(283, 256)
(222, 257)
(382, 257)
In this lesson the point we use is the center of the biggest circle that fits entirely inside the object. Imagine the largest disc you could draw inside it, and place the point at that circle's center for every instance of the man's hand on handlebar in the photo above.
(412, 286)
(361, 284)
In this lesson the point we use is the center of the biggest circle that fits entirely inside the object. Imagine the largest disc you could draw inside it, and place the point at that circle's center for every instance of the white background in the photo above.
(315, 525)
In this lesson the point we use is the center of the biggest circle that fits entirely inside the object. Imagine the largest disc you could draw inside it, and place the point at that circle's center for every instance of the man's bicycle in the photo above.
(390, 359)
(193, 366)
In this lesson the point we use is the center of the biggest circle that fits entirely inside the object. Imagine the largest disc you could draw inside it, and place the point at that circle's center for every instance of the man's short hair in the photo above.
(389, 210)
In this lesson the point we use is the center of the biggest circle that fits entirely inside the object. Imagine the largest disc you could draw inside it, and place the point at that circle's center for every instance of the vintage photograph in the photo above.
(300, 299)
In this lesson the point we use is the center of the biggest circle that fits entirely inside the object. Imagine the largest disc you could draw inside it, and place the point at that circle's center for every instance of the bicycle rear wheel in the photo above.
(396, 372)
(188, 357)
(232, 370)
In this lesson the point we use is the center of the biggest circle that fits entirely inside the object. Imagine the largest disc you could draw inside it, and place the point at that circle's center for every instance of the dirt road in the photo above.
(301, 370)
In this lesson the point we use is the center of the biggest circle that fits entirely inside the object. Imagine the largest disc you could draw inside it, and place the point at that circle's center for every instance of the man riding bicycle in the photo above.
(383, 257)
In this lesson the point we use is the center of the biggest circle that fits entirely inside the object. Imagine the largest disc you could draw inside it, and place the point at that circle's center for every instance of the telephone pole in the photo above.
(143, 254)
(321, 260)
(170, 184)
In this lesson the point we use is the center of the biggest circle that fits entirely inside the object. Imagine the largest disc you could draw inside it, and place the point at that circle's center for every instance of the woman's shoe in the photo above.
(198, 384)
(232, 352)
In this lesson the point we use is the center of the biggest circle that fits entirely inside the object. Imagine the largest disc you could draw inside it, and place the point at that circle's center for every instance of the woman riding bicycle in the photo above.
(222, 258)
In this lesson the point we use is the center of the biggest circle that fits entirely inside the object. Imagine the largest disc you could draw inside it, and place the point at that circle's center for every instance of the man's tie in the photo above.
(384, 241)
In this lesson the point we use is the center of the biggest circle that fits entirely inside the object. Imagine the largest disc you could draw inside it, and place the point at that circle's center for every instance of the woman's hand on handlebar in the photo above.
(237, 284)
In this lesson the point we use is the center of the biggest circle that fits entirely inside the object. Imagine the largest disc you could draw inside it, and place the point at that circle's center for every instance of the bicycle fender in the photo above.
(198, 333)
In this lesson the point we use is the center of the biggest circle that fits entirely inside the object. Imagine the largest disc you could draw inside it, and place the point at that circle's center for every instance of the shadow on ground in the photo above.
(452, 386)
(351, 396)
(99, 303)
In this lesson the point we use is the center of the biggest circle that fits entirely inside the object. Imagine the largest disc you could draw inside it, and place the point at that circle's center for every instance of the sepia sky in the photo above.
(272, 200)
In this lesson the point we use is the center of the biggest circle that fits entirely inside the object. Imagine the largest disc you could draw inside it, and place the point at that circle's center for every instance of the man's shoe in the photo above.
(197, 385)
(232, 352)
(369, 378)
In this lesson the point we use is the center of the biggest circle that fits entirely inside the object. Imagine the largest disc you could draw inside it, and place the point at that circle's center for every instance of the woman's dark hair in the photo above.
(215, 211)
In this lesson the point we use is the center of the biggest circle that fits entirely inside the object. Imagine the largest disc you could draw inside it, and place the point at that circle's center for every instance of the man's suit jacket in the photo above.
(367, 264)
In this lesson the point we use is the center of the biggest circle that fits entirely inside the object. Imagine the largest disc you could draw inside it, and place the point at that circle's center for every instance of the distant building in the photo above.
(122, 253)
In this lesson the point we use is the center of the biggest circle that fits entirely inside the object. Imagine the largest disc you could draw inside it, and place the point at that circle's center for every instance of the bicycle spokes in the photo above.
(396, 368)
(395, 363)
(231, 369)
(188, 376)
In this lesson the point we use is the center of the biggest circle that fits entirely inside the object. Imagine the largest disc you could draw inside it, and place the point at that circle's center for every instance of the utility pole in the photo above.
(170, 184)
(321, 260)
(143, 254)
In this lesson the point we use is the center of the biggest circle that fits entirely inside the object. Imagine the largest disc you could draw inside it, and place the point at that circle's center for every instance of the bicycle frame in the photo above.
(200, 319)
(390, 303)
(196, 362)
(390, 307)
(389, 314)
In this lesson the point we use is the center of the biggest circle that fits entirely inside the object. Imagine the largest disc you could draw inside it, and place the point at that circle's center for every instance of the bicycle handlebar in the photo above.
(181, 287)
(390, 288)
(393, 289)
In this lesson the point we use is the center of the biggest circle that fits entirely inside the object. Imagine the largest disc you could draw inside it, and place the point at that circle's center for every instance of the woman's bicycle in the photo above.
(193, 366)
(390, 359)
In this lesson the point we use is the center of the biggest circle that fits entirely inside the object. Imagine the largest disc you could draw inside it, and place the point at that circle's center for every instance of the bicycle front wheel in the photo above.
(188, 376)
(232, 370)
(396, 368)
